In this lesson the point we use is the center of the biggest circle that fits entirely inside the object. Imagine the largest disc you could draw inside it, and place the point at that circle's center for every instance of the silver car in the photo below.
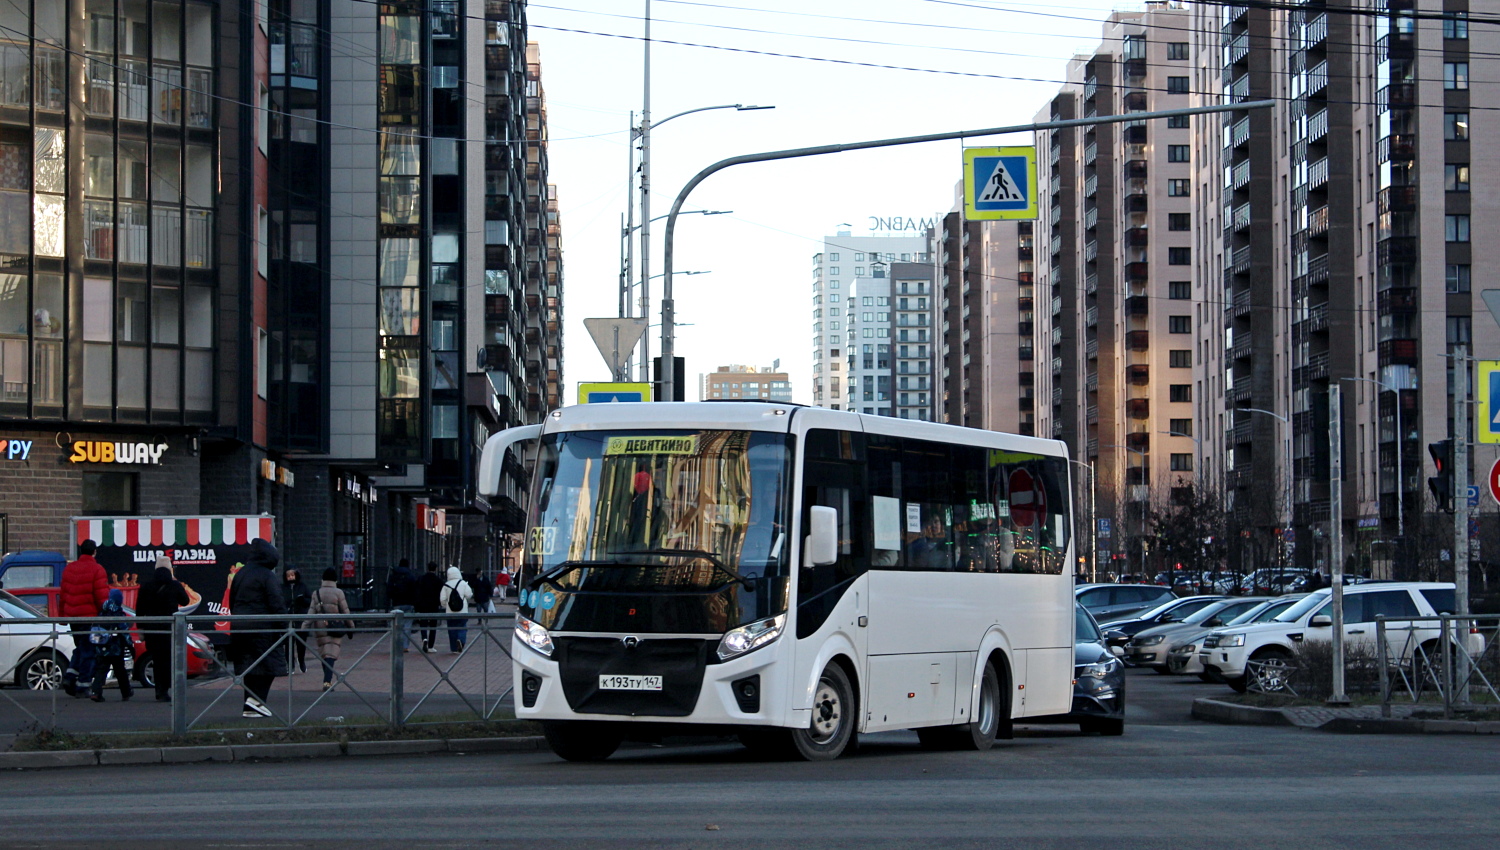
(1183, 657)
(1149, 648)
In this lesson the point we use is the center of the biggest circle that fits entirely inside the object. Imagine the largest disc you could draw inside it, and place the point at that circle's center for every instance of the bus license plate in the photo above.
(629, 683)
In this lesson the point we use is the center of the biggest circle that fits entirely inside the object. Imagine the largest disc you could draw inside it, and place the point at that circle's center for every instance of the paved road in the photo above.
(1169, 782)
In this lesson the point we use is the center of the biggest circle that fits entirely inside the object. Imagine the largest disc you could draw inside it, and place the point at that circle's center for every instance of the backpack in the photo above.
(455, 599)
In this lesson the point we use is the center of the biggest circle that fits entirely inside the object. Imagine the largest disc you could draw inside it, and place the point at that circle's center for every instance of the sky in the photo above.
(1003, 60)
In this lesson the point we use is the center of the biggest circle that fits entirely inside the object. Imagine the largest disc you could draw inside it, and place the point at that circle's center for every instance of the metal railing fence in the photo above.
(1448, 658)
(382, 676)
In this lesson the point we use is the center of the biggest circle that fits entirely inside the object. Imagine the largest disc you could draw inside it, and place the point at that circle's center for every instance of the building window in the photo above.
(1180, 290)
(1460, 330)
(833, 258)
(1177, 85)
(1180, 392)
(109, 493)
(1456, 126)
(1180, 324)
(1182, 462)
(1180, 358)
(1179, 221)
(1458, 277)
(1178, 122)
(1181, 427)
(1455, 75)
(833, 298)
(1177, 50)
(1457, 228)
(1179, 187)
(1456, 177)
(263, 242)
(834, 270)
(1179, 153)
(859, 271)
(1179, 256)
(1456, 26)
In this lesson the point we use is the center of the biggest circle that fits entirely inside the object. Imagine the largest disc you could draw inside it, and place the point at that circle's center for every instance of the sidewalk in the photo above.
(1367, 719)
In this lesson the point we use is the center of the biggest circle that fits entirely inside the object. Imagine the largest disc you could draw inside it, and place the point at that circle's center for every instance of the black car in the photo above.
(1099, 682)
(1119, 632)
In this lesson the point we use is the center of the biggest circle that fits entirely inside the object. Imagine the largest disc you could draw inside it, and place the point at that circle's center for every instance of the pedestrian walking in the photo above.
(429, 601)
(328, 599)
(84, 589)
(456, 598)
(256, 590)
(297, 598)
(160, 596)
(502, 584)
(484, 592)
(110, 642)
(401, 590)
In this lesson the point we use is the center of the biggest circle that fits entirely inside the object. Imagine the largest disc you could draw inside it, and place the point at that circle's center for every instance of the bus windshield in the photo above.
(660, 531)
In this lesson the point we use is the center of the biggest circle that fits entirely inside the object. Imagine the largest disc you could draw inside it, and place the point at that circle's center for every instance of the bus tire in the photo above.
(834, 715)
(990, 720)
(582, 740)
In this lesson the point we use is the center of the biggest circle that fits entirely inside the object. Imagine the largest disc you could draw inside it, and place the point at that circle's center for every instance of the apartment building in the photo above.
(1116, 232)
(766, 383)
(254, 235)
(844, 259)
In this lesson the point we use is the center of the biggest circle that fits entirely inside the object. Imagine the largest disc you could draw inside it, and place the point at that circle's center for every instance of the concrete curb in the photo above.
(258, 752)
(1245, 715)
(1217, 711)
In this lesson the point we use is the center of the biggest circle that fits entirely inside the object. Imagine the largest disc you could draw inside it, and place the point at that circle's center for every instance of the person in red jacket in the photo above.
(84, 590)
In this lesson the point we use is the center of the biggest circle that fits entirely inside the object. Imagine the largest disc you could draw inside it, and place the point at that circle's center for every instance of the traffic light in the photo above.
(1441, 484)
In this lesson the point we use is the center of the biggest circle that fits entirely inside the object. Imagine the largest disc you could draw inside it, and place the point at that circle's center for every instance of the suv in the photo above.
(1225, 652)
(1113, 601)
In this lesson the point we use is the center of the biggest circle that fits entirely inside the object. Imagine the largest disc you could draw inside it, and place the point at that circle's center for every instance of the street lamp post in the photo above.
(643, 132)
(1145, 465)
(1093, 521)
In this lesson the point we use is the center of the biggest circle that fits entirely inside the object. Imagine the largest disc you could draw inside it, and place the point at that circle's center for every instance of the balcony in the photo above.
(1317, 318)
(1317, 366)
(1091, 414)
(1090, 153)
(1240, 306)
(1138, 374)
(1239, 218)
(1317, 78)
(1240, 132)
(1090, 384)
(1091, 218)
(1405, 300)
(1397, 96)
(1399, 147)
(1024, 278)
(1137, 204)
(1138, 340)
(1135, 68)
(1400, 45)
(1138, 408)
(1091, 349)
(1134, 133)
(1138, 306)
(1091, 283)
(1091, 317)
(1398, 352)
(1239, 176)
(1317, 126)
(1024, 305)
(1240, 391)
(1239, 261)
(1091, 186)
(1136, 237)
(1237, 48)
(1317, 270)
(1397, 249)
(1136, 101)
(1138, 272)
(1090, 251)
(1316, 30)
(1241, 349)
(1138, 440)
(1317, 222)
(1136, 169)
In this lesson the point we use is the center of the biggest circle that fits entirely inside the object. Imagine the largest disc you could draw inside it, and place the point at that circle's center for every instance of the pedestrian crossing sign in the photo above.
(1489, 401)
(1000, 184)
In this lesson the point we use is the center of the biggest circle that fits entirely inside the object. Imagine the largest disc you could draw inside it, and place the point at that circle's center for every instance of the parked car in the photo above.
(1119, 632)
(1310, 618)
(1182, 659)
(1149, 647)
(1112, 601)
(1099, 682)
(32, 655)
(201, 658)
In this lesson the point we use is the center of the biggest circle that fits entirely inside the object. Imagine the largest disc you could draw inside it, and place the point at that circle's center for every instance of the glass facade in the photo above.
(107, 195)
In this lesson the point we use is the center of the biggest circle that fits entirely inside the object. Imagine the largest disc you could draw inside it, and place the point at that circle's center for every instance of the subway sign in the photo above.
(97, 451)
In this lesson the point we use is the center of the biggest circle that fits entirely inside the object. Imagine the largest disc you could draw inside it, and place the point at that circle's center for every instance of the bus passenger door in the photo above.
(832, 600)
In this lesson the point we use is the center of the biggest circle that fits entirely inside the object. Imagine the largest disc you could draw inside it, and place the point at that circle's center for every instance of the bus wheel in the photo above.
(581, 741)
(834, 714)
(989, 721)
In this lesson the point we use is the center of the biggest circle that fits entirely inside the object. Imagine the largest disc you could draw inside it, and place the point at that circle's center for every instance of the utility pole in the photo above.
(1336, 537)
(645, 136)
(1460, 668)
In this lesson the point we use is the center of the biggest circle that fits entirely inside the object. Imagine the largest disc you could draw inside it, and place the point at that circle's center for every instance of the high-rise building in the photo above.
(767, 383)
(256, 234)
(845, 258)
(1117, 235)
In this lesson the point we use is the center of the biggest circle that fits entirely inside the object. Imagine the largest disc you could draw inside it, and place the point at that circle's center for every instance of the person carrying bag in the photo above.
(330, 632)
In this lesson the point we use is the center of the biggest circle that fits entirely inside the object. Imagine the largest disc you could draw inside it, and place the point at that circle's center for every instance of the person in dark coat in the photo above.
(160, 596)
(298, 597)
(257, 590)
(402, 592)
(429, 601)
(84, 589)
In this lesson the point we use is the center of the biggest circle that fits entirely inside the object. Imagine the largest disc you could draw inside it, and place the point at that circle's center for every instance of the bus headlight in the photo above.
(533, 636)
(753, 636)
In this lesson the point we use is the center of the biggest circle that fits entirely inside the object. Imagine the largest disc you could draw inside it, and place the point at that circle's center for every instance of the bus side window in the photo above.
(833, 476)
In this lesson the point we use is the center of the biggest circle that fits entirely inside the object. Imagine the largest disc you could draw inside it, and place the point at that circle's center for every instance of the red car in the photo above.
(201, 658)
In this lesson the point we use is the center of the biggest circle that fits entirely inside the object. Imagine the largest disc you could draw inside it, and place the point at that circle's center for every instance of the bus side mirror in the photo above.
(822, 547)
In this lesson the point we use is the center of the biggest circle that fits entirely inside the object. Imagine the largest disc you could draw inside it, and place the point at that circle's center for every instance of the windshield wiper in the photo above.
(748, 583)
(551, 576)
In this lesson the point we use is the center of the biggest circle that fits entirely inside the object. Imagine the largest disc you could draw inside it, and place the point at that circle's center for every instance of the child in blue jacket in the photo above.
(111, 642)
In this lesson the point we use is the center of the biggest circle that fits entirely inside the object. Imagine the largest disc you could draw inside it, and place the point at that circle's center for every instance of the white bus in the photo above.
(798, 575)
